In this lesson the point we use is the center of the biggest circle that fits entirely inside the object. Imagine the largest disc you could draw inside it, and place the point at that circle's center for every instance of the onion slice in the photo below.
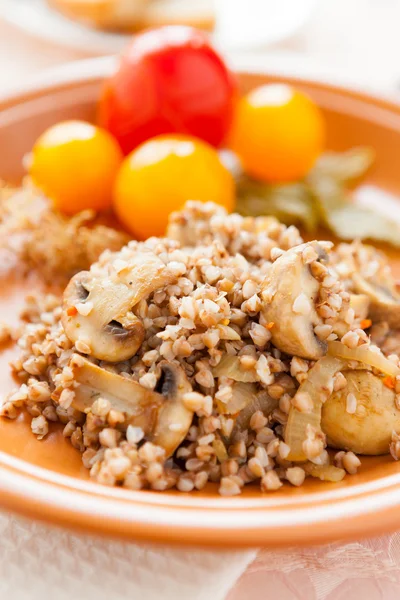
(242, 395)
(324, 472)
(318, 387)
(230, 366)
(263, 402)
(365, 355)
(220, 450)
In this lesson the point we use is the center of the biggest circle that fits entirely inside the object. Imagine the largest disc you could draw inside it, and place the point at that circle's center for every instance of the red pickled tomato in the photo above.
(170, 80)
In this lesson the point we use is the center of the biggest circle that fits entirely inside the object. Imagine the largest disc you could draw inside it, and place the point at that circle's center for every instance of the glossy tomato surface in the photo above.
(278, 132)
(170, 80)
(162, 174)
(75, 164)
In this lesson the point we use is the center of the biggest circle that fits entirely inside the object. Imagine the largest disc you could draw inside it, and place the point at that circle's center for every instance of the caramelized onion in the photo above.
(220, 450)
(318, 387)
(263, 402)
(242, 395)
(230, 366)
(324, 472)
(365, 355)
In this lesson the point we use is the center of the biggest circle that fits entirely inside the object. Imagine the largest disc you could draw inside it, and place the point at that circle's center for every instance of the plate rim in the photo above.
(222, 522)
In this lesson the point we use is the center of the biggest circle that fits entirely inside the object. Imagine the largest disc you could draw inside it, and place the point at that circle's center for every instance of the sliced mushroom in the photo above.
(174, 419)
(369, 429)
(384, 300)
(360, 304)
(288, 278)
(138, 403)
(161, 414)
(109, 329)
(390, 344)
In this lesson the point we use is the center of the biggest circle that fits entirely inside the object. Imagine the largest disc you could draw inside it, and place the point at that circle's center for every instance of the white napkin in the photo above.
(40, 561)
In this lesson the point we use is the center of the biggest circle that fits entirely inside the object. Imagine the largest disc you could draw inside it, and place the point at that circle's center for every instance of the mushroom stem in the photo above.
(174, 419)
(360, 304)
(161, 414)
(288, 279)
(384, 300)
(139, 404)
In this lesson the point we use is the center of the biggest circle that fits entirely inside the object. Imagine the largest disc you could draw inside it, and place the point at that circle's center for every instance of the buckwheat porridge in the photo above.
(229, 351)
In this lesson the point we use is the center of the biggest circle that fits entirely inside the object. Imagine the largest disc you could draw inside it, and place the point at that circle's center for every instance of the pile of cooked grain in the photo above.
(193, 378)
(48, 242)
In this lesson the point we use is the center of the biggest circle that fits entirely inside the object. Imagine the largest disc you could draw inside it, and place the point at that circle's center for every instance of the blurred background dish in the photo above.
(133, 15)
(104, 26)
(36, 18)
(249, 24)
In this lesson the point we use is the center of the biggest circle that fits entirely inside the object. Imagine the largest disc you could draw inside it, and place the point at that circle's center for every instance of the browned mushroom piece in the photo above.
(125, 395)
(106, 324)
(360, 304)
(365, 425)
(174, 419)
(384, 299)
(288, 278)
(161, 414)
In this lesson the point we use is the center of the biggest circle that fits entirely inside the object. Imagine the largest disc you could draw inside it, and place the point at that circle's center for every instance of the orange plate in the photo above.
(46, 479)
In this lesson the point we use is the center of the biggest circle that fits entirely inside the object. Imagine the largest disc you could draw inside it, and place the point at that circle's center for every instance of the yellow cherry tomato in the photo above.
(278, 132)
(75, 164)
(163, 173)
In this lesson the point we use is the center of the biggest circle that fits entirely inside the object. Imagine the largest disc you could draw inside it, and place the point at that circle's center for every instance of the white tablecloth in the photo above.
(38, 561)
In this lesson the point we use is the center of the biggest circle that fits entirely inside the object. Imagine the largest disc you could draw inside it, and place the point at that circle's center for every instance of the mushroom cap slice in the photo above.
(111, 331)
(174, 419)
(289, 277)
(384, 300)
(109, 335)
(369, 429)
(138, 403)
(161, 414)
